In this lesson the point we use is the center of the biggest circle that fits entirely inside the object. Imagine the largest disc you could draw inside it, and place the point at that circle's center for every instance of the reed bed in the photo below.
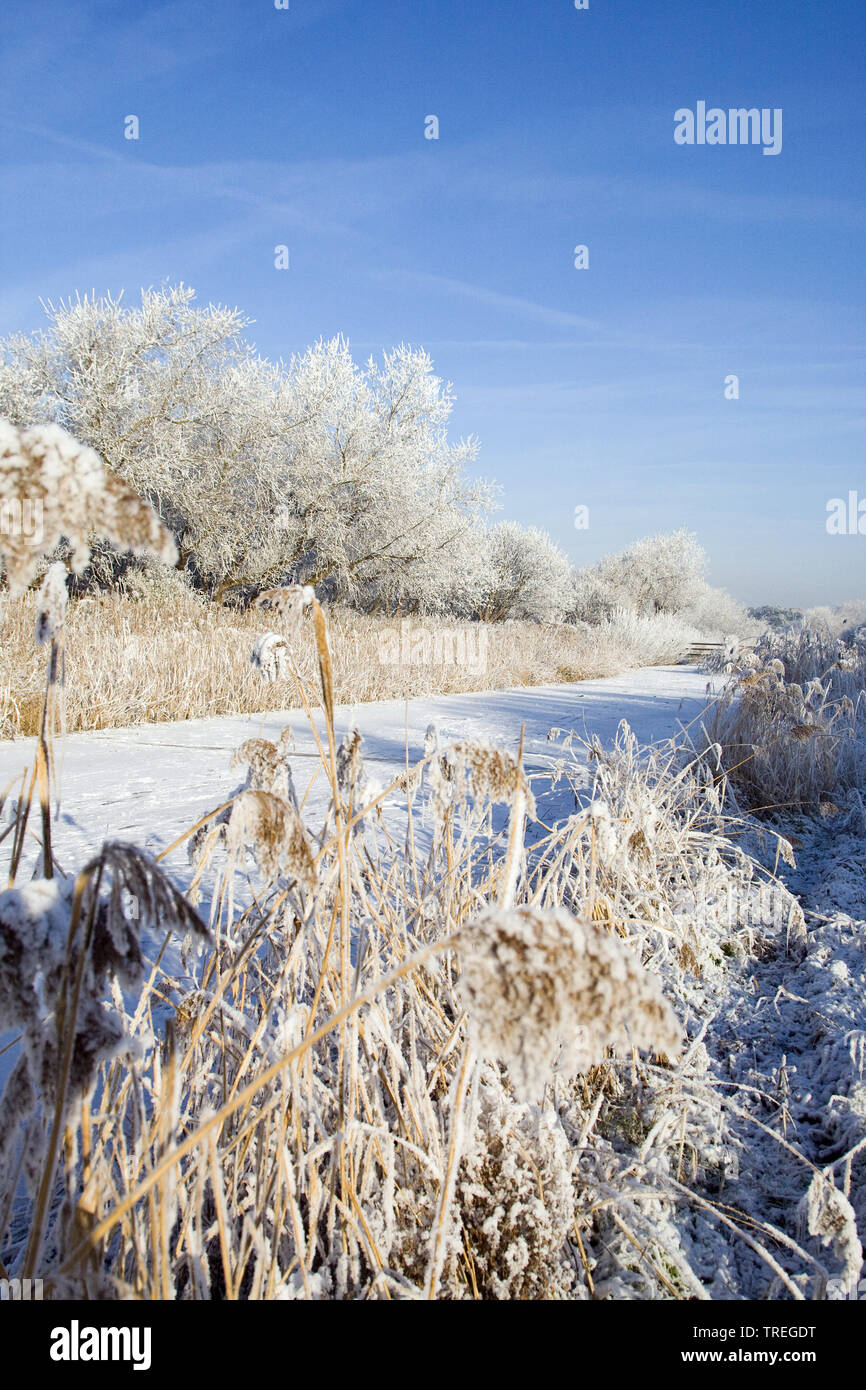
(791, 723)
(159, 653)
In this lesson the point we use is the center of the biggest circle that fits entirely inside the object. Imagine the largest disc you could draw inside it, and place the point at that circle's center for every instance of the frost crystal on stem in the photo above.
(52, 604)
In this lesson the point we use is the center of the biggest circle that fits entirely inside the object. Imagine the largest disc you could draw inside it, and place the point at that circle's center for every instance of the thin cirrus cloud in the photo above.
(638, 197)
(334, 196)
(140, 182)
(149, 40)
(509, 304)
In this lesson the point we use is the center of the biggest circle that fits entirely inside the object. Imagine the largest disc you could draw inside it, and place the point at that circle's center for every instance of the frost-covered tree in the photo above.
(714, 612)
(846, 617)
(319, 470)
(530, 577)
(770, 615)
(462, 587)
(379, 500)
(659, 574)
(168, 394)
(457, 583)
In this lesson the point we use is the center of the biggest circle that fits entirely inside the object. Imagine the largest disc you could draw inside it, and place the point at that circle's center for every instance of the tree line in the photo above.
(316, 471)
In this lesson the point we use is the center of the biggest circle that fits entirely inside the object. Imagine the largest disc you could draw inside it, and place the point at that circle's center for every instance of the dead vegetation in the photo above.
(792, 723)
(158, 652)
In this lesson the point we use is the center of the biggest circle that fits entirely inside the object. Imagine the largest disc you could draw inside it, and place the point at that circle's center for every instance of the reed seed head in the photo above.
(75, 496)
(533, 980)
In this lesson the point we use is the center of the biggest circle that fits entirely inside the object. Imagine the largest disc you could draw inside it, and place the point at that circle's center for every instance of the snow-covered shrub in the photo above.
(271, 654)
(658, 574)
(844, 619)
(714, 613)
(628, 640)
(530, 577)
(161, 587)
(463, 582)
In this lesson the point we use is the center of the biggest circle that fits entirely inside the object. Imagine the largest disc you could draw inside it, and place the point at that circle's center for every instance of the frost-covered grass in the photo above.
(792, 721)
(398, 1058)
(160, 652)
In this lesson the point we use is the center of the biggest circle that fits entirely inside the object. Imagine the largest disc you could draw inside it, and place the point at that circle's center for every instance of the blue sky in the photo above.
(602, 387)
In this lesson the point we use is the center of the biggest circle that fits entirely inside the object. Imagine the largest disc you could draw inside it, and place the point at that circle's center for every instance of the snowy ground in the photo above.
(781, 1093)
(795, 1031)
(147, 785)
